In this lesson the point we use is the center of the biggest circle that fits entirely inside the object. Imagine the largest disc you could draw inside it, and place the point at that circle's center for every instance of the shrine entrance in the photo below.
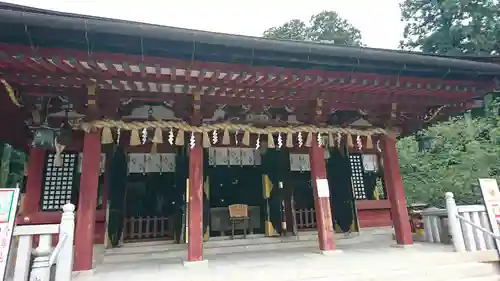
(234, 176)
(151, 197)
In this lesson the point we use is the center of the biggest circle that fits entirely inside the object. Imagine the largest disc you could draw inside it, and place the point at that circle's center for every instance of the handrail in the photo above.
(484, 230)
(56, 251)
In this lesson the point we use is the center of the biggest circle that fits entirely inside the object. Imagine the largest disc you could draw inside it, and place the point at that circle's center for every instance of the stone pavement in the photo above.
(364, 260)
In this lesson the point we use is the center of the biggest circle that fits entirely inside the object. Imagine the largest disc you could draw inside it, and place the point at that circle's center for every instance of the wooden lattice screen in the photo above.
(358, 186)
(58, 182)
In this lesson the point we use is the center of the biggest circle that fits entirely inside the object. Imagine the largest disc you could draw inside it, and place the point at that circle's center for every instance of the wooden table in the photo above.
(219, 220)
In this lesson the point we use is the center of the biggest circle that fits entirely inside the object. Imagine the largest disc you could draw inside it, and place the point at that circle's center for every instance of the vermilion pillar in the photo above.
(321, 197)
(195, 218)
(395, 191)
(36, 161)
(87, 200)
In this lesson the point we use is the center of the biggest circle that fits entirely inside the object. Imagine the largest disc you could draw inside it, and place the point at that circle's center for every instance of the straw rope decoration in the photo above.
(180, 128)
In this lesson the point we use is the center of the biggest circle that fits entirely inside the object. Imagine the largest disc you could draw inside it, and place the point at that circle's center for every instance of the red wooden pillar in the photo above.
(195, 218)
(31, 203)
(395, 191)
(87, 200)
(322, 198)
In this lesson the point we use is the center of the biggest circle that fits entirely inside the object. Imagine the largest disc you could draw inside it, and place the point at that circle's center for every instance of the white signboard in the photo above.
(370, 162)
(323, 188)
(9, 197)
(491, 197)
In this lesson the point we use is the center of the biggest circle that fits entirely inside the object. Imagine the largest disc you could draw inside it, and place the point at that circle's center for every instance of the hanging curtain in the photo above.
(341, 197)
(181, 174)
(117, 184)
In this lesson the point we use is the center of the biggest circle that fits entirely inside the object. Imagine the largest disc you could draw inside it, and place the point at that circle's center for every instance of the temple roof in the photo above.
(31, 26)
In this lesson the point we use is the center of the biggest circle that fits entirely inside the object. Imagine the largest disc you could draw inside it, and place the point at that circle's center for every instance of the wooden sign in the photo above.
(491, 198)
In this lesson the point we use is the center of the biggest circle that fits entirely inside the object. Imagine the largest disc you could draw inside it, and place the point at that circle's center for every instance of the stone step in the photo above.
(431, 273)
(220, 246)
(180, 251)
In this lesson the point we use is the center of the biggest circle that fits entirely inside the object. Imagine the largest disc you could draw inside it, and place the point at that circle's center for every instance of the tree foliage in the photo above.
(12, 164)
(326, 27)
(463, 150)
(451, 27)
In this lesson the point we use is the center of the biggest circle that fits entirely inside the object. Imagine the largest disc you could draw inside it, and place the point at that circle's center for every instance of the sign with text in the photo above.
(323, 188)
(9, 197)
(491, 197)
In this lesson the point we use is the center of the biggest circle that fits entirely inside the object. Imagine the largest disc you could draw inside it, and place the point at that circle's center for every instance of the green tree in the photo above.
(326, 27)
(464, 149)
(451, 27)
(12, 162)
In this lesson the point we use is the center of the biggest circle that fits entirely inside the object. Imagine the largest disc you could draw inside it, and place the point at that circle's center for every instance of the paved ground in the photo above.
(361, 260)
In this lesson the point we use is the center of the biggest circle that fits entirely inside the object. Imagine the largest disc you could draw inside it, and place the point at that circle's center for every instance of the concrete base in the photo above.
(196, 264)
(83, 273)
(331, 252)
(404, 246)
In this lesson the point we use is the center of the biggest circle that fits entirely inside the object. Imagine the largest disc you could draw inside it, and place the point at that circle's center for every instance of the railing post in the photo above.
(427, 227)
(64, 265)
(454, 223)
(40, 270)
(23, 258)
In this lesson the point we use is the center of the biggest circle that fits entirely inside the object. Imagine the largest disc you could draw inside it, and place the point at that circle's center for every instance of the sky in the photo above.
(378, 21)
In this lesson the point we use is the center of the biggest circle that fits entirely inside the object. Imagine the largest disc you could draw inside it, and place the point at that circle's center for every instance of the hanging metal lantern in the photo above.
(64, 134)
(44, 137)
(47, 137)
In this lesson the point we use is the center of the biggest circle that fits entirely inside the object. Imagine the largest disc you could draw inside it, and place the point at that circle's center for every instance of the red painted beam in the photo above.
(331, 96)
(230, 86)
(354, 101)
(284, 76)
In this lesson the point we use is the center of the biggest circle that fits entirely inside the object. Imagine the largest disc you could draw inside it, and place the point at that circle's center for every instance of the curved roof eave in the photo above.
(11, 13)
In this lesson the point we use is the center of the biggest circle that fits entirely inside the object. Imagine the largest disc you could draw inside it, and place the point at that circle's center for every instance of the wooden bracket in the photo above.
(196, 117)
(92, 108)
(317, 111)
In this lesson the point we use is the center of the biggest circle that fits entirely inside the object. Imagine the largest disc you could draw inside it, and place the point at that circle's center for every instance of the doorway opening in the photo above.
(343, 205)
(231, 185)
(150, 207)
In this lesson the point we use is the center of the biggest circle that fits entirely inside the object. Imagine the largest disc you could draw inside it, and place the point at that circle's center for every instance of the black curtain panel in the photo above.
(116, 190)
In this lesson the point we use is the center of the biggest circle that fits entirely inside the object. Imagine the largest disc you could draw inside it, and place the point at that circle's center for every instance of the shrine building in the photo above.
(153, 132)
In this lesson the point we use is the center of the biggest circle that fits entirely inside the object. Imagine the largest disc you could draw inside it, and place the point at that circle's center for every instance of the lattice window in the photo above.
(58, 182)
(358, 186)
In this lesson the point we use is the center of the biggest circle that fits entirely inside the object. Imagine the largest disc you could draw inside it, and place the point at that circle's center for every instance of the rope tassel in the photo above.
(206, 140)
(289, 140)
(270, 141)
(135, 140)
(331, 140)
(369, 142)
(309, 140)
(158, 136)
(246, 138)
(106, 136)
(350, 143)
(225, 138)
(179, 140)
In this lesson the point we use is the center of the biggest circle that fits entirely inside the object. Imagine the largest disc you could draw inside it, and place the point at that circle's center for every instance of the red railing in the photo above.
(139, 228)
(305, 218)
